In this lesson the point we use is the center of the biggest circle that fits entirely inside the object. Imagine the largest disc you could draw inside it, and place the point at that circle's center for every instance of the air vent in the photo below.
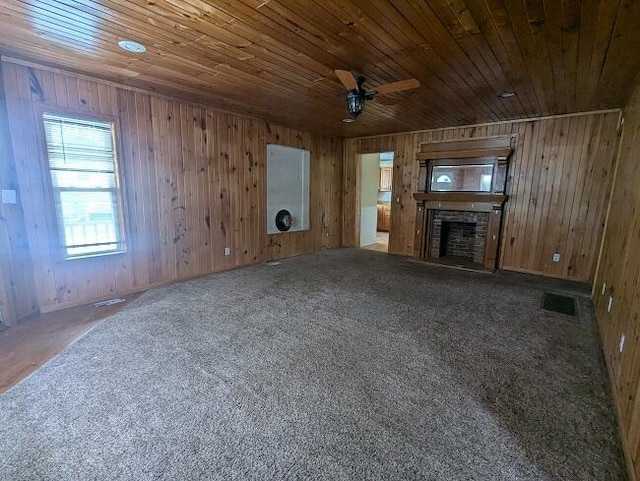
(110, 302)
(559, 303)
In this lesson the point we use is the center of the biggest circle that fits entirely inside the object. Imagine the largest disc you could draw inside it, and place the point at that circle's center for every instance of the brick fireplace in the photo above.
(458, 234)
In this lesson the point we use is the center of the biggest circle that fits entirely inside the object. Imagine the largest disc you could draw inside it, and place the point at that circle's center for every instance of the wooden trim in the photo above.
(496, 146)
(452, 161)
(47, 182)
(419, 232)
(501, 153)
(596, 277)
(538, 273)
(489, 124)
(462, 206)
(446, 145)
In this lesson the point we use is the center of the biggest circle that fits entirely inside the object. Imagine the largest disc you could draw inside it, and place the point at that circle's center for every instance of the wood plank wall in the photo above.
(619, 270)
(194, 182)
(17, 288)
(559, 181)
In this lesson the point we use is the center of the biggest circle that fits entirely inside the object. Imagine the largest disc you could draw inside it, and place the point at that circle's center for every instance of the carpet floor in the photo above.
(344, 365)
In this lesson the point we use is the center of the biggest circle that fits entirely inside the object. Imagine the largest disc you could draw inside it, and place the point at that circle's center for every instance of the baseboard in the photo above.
(543, 274)
(136, 290)
(84, 302)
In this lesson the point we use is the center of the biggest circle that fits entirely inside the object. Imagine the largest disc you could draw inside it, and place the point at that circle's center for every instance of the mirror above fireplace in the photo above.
(447, 176)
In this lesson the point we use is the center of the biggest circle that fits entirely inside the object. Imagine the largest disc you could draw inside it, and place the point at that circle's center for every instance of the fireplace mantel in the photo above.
(461, 201)
(433, 204)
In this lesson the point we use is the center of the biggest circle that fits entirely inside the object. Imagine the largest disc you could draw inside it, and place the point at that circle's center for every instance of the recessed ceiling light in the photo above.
(348, 120)
(507, 95)
(131, 46)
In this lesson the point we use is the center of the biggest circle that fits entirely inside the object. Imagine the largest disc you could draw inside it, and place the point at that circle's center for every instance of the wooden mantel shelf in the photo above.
(459, 197)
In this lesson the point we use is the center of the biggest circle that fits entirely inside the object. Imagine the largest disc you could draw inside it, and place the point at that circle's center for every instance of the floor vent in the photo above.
(110, 302)
(559, 303)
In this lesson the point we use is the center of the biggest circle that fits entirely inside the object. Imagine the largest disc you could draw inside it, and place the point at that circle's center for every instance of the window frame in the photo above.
(119, 190)
(483, 160)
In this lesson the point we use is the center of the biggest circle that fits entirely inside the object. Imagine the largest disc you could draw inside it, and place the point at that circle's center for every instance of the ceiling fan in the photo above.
(357, 95)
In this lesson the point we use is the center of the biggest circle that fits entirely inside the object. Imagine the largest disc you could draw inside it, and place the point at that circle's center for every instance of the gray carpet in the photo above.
(345, 365)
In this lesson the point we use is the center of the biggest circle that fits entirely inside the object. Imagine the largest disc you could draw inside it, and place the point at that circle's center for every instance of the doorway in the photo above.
(376, 182)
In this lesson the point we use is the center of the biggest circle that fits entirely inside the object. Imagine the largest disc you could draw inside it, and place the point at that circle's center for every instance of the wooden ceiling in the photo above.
(274, 59)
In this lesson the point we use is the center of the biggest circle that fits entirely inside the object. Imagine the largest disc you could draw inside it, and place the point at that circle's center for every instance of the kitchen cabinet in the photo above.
(386, 178)
(384, 217)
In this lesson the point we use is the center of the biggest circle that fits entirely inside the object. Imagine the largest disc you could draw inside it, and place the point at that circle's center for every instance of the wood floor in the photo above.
(33, 342)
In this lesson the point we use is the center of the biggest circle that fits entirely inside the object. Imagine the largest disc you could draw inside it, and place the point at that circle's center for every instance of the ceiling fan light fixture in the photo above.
(507, 95)
(131, 46)
(355, 102)
(348, 120)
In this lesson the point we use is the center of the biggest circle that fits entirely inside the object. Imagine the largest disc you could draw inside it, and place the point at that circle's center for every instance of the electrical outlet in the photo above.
(604, 288)
(609, 304)
(621, 343)
(556, 257)
(227, 251)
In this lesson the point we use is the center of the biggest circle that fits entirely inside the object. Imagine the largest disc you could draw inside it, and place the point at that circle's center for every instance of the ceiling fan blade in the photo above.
(386, 101)
(398, 86)
(347, 79)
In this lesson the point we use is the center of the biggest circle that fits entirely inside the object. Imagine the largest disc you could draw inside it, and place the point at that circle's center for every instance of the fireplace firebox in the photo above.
(459, 235)
(458, 239)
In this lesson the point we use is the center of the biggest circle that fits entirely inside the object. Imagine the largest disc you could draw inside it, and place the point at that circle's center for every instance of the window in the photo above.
(84, 178)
